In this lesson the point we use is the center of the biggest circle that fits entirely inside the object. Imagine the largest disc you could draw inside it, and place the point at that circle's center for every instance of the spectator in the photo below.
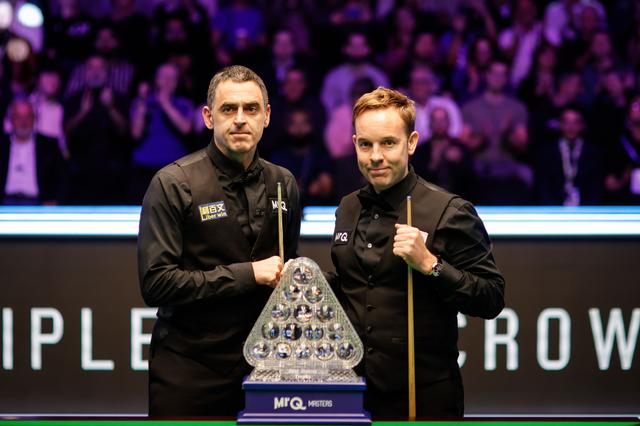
(294, 94)
(503, 121)
(609, 110)
(339, 131)
(494, 112)
(32, 169)
(120, 71)
(284, 56)
(539, 85)
(238, 26)
(97, 137)
(306, 157)
(133, 28)
(568, 170)
(622, 183)
(468, 79)
(545, 111)
(423, 87)
(48, 110)
(338, 139)
(160, 125)
(520, 41)
(561, 19)
(69, 35)
(425, 53)
(442, 159)
(338, 82)
(398, 42)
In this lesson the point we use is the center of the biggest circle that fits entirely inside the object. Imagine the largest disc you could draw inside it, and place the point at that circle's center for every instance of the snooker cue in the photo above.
(410, 332)
(280, 232)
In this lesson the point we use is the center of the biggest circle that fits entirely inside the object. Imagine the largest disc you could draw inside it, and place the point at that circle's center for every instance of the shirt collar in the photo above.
(232, 168)
(391, 198)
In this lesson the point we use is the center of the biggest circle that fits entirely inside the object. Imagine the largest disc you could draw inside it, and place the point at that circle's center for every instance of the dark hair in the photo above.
(238, 74)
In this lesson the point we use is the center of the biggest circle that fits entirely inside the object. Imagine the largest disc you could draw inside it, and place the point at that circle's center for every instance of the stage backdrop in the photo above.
(75, 330)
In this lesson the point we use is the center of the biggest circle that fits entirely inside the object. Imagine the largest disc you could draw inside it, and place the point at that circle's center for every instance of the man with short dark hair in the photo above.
(208, 249)
(447, 247)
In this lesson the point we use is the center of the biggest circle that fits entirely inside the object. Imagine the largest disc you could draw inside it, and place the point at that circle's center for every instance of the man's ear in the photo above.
(267, 115)
(413, 142)
(207, 117)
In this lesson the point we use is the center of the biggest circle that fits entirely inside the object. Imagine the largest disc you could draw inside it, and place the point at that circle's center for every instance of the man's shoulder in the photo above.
(350, 200)
(177, 169)
(276, 169)
(429, 190)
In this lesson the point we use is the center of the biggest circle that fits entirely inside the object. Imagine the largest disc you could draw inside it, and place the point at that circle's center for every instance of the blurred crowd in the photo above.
(519, 102)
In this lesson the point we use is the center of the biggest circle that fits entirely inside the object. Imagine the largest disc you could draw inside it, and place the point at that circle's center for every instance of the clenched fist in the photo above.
(408, 243)
(268, 271)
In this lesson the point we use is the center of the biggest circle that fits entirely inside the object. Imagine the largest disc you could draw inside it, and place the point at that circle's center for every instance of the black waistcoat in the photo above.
(212, 331)
(377, 303)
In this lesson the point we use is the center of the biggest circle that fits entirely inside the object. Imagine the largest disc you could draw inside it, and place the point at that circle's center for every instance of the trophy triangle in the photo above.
(303, 334)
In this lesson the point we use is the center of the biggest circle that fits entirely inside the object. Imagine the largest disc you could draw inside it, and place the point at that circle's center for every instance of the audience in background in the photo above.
(569, 168)
(32, 169)
(161, 123)
(502, 88)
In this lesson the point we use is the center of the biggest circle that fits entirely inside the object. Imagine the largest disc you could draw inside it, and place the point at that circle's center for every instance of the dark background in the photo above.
(573, 274)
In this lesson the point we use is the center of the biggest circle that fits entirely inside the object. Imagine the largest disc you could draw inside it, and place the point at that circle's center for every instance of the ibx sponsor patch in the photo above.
(212, 211)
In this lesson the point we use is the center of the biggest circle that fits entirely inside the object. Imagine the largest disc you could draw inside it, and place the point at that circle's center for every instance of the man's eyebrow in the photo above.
(389, 139)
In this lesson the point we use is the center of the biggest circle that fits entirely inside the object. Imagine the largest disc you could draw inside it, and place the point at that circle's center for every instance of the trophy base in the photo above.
(304, 403)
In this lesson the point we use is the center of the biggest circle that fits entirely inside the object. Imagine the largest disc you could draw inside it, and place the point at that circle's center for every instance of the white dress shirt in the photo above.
(22, 177)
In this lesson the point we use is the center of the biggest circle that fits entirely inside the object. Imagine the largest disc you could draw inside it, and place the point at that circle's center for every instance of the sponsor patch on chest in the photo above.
(341, 237)
(212, 211)
(273, 202)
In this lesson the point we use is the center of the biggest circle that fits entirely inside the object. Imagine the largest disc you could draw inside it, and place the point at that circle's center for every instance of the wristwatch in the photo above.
(436, 268)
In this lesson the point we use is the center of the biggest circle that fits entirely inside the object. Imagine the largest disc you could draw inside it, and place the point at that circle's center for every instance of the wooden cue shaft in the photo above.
(410, 332)
(280, 232)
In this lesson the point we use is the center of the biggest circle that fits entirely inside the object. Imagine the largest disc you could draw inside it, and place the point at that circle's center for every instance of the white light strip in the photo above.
(69, 228)
(319, 222)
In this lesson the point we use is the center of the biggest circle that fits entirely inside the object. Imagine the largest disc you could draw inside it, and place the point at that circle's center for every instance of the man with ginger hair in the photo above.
(447, 247)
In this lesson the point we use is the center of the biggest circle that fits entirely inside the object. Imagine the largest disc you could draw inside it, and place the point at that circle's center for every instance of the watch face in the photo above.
(436, 269)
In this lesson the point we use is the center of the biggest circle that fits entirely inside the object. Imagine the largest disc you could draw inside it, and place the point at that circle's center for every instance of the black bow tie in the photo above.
(248, 175)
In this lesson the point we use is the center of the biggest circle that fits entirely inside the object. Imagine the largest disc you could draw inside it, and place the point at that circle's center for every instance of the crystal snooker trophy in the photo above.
(303, 349)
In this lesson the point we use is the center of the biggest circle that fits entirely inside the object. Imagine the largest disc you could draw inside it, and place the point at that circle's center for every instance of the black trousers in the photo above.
(443, 399)
(182, 387)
